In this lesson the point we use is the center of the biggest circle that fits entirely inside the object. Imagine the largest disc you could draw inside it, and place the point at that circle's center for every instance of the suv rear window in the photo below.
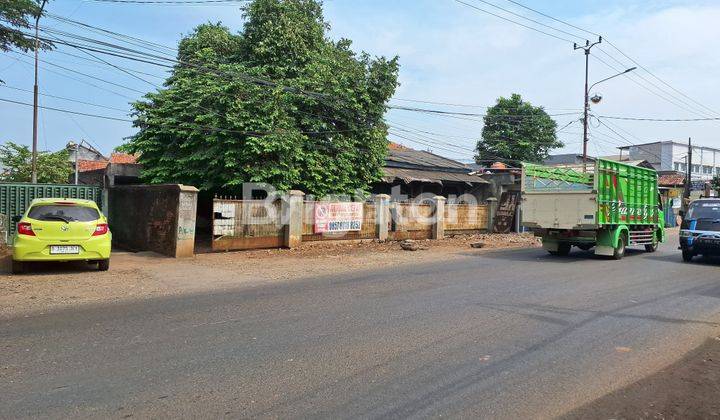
(704, 210)
(66, 213)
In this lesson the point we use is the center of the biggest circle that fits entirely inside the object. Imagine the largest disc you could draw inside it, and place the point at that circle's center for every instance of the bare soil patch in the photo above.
(146, 275)
(687, 389)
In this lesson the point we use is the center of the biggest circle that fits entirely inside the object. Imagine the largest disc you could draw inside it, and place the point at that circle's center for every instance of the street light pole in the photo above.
(33, 176)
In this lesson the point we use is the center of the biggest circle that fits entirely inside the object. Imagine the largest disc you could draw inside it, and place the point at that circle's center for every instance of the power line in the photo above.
(612, 117)
(513, 21)
(171, 2)
(616, 48)
(66, 99)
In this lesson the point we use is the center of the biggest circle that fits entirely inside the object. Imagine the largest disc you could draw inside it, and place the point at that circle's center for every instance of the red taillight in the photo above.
(25, 228)
(100, 229)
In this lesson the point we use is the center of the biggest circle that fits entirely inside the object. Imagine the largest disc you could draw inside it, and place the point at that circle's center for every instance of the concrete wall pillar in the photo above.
(187, 212)
(438, 228)
(492, 209)
(382, 215)
(293, 214)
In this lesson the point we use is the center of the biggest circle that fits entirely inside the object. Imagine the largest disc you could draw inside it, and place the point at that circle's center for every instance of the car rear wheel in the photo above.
(18, 267)
(104, 265)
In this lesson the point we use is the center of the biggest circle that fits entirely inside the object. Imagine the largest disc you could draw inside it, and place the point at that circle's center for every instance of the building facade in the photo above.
(672, 156)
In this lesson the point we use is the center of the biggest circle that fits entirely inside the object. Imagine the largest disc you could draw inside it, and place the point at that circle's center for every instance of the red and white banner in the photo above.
(338, 217)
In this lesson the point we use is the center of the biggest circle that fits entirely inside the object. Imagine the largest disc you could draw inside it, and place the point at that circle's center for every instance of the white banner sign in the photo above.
(338, 217)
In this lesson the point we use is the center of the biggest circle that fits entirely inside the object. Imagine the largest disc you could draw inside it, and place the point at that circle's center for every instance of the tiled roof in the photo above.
(94, 165)
(671, 180)
(123, 158)
(91, 165)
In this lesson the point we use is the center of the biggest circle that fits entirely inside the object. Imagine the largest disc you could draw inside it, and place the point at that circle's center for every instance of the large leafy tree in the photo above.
(278, 102)
(515, 130)
(16, 17)
(16, 162)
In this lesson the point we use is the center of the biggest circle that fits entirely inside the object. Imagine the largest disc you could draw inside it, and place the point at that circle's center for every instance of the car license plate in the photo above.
(64, 249)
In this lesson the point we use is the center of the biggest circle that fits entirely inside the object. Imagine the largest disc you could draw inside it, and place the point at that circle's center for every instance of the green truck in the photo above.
(607, 206)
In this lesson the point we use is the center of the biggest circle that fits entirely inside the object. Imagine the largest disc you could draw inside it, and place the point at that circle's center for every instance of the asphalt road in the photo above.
(500, 334)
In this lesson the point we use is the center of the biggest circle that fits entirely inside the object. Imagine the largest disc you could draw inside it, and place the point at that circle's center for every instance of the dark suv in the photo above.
(700, 229)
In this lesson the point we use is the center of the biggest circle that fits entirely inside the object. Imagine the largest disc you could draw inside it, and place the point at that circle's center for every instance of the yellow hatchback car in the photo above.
(61, 229)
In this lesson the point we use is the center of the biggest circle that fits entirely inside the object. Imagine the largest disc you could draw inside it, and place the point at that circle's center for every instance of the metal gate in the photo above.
(15, 198)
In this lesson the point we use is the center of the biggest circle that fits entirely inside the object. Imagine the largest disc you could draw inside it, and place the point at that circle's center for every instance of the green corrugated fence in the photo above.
(15, 198)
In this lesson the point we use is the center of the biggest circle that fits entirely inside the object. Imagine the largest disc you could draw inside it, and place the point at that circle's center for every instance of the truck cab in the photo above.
(700, 229)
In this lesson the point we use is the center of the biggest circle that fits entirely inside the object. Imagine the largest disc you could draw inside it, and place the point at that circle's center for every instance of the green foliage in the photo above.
(218, 123)
(715, 183)
(516, 130)
(16, 161)
(16, 16)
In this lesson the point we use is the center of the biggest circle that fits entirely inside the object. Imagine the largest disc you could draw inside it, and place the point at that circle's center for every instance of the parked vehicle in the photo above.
(61, 229)
(607, 206)
(700, 229)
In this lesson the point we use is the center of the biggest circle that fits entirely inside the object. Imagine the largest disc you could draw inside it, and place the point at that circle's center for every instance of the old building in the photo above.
(410, 173)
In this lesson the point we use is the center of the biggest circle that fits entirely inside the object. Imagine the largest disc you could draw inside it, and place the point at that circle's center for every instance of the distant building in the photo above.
(84, 152)
(672, 156)
(119, 169)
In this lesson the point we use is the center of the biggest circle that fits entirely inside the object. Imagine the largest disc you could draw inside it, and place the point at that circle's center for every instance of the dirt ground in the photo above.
(688, 389)
(145, 275)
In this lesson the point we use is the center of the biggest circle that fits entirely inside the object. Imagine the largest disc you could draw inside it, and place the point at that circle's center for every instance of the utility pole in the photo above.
(587, 47)
(33, 177)
(688, 174)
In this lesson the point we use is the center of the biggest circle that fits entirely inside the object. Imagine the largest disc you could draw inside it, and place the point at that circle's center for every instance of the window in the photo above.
(63, 212)
(707, 170)
(696, 169)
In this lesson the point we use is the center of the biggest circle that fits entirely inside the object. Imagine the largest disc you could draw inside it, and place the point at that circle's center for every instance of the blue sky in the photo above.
(449, 53)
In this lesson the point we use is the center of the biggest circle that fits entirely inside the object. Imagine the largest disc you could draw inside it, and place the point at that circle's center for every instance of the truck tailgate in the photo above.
(560, 210)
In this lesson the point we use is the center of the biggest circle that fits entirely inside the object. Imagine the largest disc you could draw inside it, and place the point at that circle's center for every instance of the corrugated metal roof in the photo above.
(405, 158)
(434, 177)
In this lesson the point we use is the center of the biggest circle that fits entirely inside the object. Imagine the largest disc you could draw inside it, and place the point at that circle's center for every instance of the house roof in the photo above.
(671, 180)
(566, 159)
(433, 177)
(116, 158)
(408, 165)
(419, 159)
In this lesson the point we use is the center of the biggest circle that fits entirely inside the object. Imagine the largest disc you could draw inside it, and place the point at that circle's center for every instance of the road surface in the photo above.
(500, 334)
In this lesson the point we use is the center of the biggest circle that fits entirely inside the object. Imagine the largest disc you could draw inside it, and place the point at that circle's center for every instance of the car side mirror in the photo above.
(16, 219)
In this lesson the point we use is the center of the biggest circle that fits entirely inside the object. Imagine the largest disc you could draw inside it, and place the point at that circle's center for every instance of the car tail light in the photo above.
(25, 228)
(100, 229)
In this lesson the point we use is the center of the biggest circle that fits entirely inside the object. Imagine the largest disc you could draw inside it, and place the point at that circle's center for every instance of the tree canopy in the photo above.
(16, 16)
(516, 131)
(16, 161)
(278, 102)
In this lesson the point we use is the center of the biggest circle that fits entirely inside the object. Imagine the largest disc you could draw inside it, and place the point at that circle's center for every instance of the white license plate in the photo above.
(64, 249)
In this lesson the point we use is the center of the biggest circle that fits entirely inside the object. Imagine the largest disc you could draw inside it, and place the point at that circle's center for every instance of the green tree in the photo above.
(715, 183)
(16, 162)
(17, 16)
(515, 130)
(278, 102)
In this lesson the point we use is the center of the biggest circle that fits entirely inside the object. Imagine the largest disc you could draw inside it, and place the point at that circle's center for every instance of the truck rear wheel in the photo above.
(687, 256)
(564, 250)
(619, 252)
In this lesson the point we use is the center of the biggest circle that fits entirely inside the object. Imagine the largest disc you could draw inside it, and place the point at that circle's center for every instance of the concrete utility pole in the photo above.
(33, 177)
(688, 174)
(587, 47)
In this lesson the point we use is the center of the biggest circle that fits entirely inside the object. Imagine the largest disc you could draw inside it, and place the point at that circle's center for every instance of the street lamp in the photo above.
(595, 99)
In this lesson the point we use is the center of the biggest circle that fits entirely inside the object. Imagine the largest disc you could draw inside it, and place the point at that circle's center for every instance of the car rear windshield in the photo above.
(704, 210)
(63, 212)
